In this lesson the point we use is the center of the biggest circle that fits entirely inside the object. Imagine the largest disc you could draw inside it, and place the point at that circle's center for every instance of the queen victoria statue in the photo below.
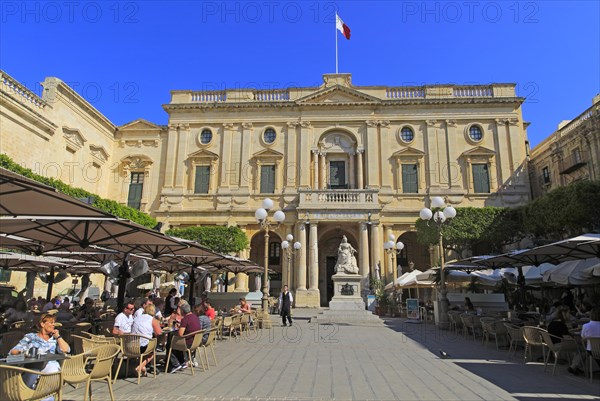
(346, 262)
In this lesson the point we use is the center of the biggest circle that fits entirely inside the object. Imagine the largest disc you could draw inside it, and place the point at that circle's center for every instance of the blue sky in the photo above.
(125, 57)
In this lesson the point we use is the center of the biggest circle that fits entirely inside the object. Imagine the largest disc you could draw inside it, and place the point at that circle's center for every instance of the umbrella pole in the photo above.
(50, 284)
(521, 281)
(123, 273)
(191, 289)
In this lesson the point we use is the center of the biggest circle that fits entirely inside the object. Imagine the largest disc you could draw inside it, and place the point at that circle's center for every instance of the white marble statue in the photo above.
(346, 262)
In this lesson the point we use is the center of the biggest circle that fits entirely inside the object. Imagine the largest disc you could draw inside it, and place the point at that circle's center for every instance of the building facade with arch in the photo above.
(338, 159)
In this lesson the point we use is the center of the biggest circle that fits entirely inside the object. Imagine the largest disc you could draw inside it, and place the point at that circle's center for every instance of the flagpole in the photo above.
(336, 44)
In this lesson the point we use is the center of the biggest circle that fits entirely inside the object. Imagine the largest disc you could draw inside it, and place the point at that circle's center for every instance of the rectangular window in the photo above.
(337, 174)
(136, 186)
(546, 175)
(274, 253)
(576, 155)
(202, 181)
(410, 182)
(481, 179)
(267, 179)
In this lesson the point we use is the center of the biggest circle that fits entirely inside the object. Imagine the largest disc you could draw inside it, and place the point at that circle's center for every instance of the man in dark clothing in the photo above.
(189, 324)
(285, 304)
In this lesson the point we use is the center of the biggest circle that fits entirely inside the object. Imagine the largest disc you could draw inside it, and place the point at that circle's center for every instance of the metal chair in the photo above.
(13, 388)
(594, 353)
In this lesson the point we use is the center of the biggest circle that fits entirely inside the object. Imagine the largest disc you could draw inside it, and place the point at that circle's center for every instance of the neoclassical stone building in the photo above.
(338, 159)
(571, 153)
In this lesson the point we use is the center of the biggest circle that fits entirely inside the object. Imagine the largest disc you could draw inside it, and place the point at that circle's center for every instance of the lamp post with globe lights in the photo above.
(393, 248)
(262, 216)
(290, 251)
(440, 214)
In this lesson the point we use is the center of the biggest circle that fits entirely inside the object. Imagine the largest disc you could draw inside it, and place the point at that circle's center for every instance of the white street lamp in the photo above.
(262, 217)
(290, 251)
(393, 248)
(440, 214)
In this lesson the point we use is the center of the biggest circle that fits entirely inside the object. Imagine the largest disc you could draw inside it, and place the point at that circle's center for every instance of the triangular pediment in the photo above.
(203, 154)
(337, 94)
(139, 125)
(267, 154)
(408, 152)
(478, 151)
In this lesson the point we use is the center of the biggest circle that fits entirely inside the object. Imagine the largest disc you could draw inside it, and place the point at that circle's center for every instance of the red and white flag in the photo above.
(343, 28)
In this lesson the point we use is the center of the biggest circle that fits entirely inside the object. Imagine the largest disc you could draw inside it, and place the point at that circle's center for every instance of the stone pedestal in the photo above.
(307, 299)
(347, 292)
(347, 305)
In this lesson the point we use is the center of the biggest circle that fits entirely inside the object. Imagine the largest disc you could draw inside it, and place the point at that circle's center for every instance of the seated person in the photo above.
(146, 325)
(558, 325)
(64, 315)
(210, 311)
(48, 341)
(468, 305)
(189, 324)
(88, 312)
(205, 322)
(243, 307)
(16, 313)
(589, 330)
(124, 320)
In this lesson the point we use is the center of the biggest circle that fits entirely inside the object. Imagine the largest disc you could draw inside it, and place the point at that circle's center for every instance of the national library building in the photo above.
(338, 159)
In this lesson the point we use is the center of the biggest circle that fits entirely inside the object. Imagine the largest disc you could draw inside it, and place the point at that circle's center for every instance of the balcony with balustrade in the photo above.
(338, 199)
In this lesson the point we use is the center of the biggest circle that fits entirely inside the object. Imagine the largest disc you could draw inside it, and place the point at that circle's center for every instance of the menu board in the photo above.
(412, 308)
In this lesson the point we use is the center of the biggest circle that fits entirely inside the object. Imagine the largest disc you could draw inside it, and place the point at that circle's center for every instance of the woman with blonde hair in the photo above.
(146, 325)
(47, 341)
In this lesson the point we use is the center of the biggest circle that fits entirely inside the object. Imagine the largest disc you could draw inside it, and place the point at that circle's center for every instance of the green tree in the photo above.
(218, 238)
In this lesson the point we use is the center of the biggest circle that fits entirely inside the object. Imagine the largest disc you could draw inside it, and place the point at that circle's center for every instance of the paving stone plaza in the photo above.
(395, 361)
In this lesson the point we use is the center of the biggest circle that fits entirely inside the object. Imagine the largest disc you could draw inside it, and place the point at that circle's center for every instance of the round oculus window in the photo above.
(475, 133)
(269, 136)
(205, 136)
(407, 134)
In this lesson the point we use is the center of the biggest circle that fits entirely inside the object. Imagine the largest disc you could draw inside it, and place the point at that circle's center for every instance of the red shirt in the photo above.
(210, 312)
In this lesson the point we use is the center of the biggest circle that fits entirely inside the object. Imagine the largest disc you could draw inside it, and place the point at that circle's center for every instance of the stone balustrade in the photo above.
(272, 95)
(406, 92)
(580, 119)
(338, 198)
(23, 95)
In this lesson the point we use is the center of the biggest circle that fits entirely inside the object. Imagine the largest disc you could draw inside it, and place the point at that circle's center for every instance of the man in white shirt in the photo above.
(140, 310)
(124, 320)
(589, 330)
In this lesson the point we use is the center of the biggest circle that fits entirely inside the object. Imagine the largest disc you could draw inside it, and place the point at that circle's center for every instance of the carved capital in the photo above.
(371, 123)
(228, 125)
(305, 124)
(247, 125)
(383, 123)
(451, 123)
(432, 123)
(513, 121)
(293, 124)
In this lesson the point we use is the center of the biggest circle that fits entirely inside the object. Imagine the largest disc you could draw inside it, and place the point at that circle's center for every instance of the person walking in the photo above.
(285, 305)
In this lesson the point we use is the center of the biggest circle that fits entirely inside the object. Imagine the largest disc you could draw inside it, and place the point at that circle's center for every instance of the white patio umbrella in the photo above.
(574, 272)
(534, 275)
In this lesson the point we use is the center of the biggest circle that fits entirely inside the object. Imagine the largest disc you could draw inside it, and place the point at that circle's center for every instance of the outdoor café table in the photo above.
(37, 363)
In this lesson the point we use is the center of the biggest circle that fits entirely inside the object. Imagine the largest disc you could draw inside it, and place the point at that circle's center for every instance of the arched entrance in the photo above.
(328, 249)
(276, 259)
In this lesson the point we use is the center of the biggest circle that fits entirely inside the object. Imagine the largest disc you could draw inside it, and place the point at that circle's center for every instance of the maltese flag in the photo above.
(343, 28)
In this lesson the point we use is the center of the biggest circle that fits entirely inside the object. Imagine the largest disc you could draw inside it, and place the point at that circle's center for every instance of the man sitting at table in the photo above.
(189, 324)
(210, 311)
(205, 323)
(124, 320)
(143, 303)
(48, 341)
(589, 330)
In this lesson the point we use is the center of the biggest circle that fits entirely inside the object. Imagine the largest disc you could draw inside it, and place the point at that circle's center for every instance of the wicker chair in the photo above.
(493, 328)
(594, 353)
(566, 345)
(130, 346)
(515, 336)
(210, 343)
(218, 325)
(74, 371)
(83, 345)
(179, 343)
(455, 322)
(533, 338)
(469, 324)
(264, 320)
(13, 388)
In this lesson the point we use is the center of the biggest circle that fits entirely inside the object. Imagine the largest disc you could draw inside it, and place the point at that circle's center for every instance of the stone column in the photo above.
(372, 153)
(432, 153)
(388, 255)
(313, 272)
(375, 251)
(180, 169)
(360, 182)
(245, 170)
(363, 251)
(351, 172)
(322, 171)
(315, 154)
(172, 137)
(301, 268)
(226, 156)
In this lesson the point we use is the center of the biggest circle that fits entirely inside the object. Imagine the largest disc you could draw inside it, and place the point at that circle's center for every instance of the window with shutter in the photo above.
(201, 184)
(267, 179)
(136, 186)
(481, 178)
(410, 183)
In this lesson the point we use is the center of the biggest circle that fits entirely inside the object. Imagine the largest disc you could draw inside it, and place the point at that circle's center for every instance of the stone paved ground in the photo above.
(400, 361)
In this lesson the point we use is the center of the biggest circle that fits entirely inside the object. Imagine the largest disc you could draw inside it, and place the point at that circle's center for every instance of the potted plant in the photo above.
(377, 289)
